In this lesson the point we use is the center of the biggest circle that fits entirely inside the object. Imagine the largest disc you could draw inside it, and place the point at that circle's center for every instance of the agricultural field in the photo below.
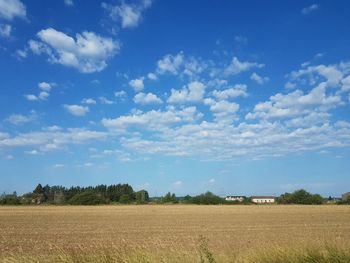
(172, 233)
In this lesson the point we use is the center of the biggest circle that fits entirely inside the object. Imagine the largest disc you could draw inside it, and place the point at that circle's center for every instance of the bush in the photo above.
(87, 198)
(300, 197)
(9, 200)
(207, 198)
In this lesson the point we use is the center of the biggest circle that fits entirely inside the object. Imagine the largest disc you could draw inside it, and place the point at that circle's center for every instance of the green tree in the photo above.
(38, 190)
(208, 198)
(142, 197)
(124, 199)
(87, 198)
(300, 197)
(169, 198)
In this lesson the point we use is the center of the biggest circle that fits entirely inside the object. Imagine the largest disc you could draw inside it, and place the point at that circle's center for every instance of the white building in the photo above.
(239, 198)
(263, 199)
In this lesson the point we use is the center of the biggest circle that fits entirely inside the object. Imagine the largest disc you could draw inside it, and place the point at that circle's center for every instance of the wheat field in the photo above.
(168, 233)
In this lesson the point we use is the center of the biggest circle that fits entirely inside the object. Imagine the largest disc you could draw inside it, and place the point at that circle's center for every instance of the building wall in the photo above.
(230, 198)
(263, 200)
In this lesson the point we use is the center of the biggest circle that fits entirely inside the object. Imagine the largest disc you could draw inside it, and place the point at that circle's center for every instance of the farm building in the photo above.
(239, 198)
(263, 199)
(345, 196)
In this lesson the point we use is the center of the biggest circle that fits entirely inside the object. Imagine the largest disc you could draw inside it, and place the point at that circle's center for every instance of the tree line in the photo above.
(124, 194)
(75, 195)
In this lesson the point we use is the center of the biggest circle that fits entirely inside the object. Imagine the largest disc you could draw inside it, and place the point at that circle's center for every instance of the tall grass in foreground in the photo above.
(311, 254)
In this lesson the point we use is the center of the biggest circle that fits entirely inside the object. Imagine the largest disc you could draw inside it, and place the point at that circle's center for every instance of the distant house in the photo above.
(345, 196)
(239, 198)
(263, 199)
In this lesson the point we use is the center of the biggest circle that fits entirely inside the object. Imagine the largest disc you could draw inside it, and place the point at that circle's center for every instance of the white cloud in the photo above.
(212, 180)
(76, 110)
(236, 66)
(104, 100)
(152, 76)
(149, 98)
(152, 119)
(10, 9)
(5, 30)
(45, 86)
(43, 95)
(193, 92)
(120, 94)
(239, 90)
(309, 9)
(32, 152)
(345, 84)
(130, 15)
(223, 110)
(137, 84)
(258, 79)
(31, 97)
(88, 52)
(170, 64)
(68, 2)
(295, 103)
(88, 101)
(55, 136)
(18, 119)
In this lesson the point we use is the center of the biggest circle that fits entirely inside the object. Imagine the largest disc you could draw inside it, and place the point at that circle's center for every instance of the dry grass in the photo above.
(174, 233)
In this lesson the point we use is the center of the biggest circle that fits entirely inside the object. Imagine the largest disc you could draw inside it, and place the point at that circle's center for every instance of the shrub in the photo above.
(9, 200)
(300, 197)
(207, 198)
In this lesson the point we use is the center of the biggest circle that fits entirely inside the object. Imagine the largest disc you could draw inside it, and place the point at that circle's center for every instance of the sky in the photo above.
(235, 97)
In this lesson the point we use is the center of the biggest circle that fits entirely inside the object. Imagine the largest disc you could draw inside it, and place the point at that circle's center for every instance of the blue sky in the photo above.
(236, 97)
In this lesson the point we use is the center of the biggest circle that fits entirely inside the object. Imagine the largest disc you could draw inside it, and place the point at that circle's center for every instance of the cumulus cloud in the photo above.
(236, 66)
(104, 100)
(88, 101)
(223, 110)
(152, 119)
(152, 76)
(120, 94)
(19, 119)
(46, 86)
(129, 15)
(258, 79)
(88, 52)
(137, 84)
(307, 10)
(333, 74)
(31, 97)
(10, 9)
(239, 90)
(170, 64)
(149, 98)
(295, 103)
(76, 110)
(193, 92)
